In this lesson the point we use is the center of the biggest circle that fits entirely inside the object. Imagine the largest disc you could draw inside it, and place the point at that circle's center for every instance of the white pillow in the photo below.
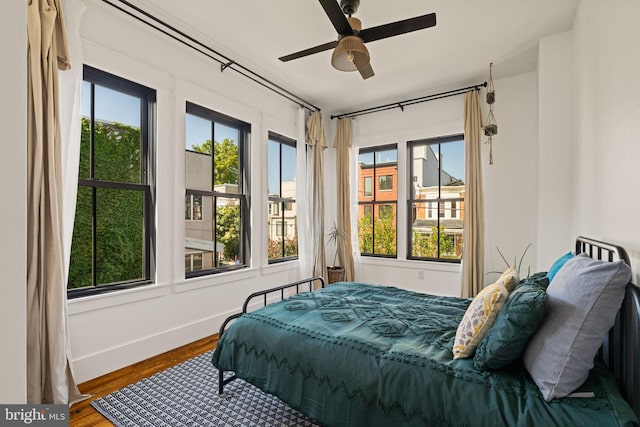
(582, 302)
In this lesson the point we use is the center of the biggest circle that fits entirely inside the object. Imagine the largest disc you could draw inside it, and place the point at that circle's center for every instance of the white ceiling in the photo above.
(455, 53)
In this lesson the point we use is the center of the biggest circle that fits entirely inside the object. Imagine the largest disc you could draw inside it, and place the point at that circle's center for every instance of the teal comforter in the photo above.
(363, 355)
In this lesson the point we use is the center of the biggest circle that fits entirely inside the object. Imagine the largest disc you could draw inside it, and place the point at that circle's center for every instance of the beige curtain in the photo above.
(342, 144)
(49, 377)
(317, 144)
(473, 234)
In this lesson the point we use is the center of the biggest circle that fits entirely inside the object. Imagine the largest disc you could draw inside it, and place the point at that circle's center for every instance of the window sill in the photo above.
(215, 279)
(116, 298)
(412, 264)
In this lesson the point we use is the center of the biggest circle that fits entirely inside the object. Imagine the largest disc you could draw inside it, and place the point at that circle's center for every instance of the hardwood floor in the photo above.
(82, 414)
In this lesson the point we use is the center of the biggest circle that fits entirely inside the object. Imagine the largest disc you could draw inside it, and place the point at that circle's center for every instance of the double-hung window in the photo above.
(378, 200)
(114, 230)
(281, 213)
(217, 190)
(436, 198)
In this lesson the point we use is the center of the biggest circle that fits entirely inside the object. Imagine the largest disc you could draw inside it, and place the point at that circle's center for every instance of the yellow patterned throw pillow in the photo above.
(509, 279)
(478, 319)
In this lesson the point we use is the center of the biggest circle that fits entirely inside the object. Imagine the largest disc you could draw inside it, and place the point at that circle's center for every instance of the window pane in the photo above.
(199, 236)
(274, 221)
(288, 171)
(365, 228)
(438, 172)
(117, 143)
(228, 231)
(226, 158)
(119, 235)
(452, 163)
(385, 231)
(273, 165)
(198, 163)
(81, 246)
(424, 231)
(85, 133)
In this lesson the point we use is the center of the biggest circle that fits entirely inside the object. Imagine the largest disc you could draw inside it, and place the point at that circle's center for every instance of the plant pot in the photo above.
(335, 274)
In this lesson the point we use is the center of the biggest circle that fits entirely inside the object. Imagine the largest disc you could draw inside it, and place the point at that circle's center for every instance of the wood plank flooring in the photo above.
(82, 414)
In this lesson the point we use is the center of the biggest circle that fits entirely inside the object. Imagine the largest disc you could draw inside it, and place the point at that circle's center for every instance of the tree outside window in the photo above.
(113, 227)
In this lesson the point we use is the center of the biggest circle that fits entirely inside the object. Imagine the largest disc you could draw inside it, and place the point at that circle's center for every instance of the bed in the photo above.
(354, 354)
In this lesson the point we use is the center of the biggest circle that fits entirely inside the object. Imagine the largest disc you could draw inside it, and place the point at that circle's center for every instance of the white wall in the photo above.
(118, 329)
(607, 125)
(556, 148)
(510, 184)
(13, 176)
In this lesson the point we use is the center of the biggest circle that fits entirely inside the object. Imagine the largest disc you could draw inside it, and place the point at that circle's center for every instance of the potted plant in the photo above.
(335, 272)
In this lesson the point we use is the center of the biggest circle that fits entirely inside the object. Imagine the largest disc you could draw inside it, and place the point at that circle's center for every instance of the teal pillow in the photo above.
(538, 279)
(557, 265)
(518, 320)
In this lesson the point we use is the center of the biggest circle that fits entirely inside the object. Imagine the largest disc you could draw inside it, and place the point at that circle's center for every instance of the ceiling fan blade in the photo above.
(366, 71)
(309, 51)
(398, 27)
(337, 17)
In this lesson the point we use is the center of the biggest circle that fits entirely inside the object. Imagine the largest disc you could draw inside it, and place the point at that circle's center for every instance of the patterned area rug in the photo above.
(187, 395)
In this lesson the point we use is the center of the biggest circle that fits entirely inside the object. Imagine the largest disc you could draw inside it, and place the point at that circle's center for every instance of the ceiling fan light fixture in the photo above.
(349, 52)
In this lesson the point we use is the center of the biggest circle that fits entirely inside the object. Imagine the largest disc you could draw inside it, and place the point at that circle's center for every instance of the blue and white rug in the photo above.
(187, 395)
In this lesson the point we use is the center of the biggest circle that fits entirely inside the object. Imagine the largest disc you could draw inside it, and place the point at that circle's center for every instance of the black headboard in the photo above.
(621, 351)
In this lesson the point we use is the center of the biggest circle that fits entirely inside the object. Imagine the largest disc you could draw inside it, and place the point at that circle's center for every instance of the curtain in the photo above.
(317, 144)
(342, 144)
(473, 234)
(303, 192)
(49, 377)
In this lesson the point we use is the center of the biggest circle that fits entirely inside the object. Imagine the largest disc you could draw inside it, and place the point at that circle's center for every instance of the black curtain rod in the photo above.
(225, 63)
(402, 104)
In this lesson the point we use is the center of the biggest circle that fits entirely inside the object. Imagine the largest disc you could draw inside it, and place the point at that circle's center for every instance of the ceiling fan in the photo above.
(350, 53)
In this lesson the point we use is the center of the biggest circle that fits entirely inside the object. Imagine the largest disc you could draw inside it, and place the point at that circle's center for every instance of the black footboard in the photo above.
(278, 293)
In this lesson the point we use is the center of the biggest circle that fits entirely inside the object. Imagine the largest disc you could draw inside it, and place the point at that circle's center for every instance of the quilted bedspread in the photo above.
(363, 355)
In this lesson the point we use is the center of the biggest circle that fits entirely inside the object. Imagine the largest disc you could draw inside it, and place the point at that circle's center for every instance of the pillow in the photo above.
(557, 265)
(582, 302)
(478, 318)
(515, 324)
(537, 279)
(509, 279)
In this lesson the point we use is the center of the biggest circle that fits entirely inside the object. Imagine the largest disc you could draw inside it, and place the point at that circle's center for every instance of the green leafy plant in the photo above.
(516, 264)
(335, 235)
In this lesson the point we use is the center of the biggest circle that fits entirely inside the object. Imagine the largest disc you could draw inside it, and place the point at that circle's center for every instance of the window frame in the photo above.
(279, 203)
(147, 96)
(243, 195)
(435, 207)
(375, 204)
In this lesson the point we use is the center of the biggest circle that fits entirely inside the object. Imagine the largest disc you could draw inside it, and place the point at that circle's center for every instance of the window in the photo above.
(439, 165)
(113, 229)
(283, 232)
(193, 261)
(193, 207)
(385, 183)
(216, 159)
(377, 209)
(367, 186)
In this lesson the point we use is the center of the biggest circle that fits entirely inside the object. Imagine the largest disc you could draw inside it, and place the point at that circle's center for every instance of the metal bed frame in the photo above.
(620, 351)
(280, 295)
